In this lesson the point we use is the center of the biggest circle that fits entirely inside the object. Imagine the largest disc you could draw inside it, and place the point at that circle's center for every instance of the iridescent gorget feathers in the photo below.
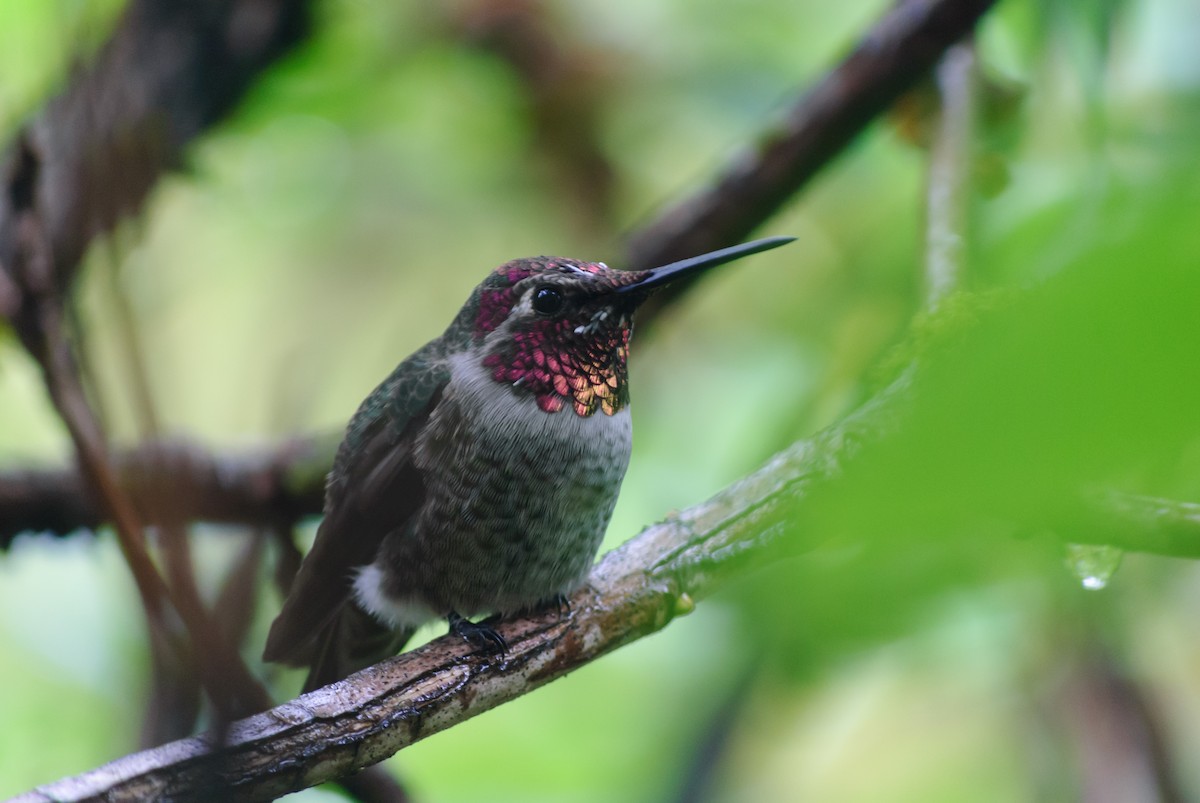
(578, 357)
(556, 365)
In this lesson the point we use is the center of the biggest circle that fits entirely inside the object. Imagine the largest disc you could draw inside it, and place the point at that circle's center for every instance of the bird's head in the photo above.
(558, 329)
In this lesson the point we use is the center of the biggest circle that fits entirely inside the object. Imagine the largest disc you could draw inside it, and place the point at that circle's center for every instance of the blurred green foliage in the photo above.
(342, 215)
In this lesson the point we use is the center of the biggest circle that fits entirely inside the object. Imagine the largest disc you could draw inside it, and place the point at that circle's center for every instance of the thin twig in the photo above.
(229, 683)
(948, 196)
(175, 686)
(1136, 523)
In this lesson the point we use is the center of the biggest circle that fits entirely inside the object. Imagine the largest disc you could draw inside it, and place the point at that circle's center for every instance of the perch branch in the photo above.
(634, 591)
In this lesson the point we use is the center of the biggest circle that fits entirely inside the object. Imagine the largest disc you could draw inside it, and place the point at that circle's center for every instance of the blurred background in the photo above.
(337, 220)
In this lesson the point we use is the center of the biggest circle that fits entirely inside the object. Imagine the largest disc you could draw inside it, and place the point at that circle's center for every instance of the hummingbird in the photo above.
(480, 476)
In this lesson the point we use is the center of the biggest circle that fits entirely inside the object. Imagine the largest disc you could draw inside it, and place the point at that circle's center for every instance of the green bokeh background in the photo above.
(340, 217)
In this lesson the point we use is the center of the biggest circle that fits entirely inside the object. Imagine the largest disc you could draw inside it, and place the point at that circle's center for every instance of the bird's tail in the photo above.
(351, 640)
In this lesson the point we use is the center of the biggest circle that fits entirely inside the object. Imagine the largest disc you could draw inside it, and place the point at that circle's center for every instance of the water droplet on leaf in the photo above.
(1094, 565)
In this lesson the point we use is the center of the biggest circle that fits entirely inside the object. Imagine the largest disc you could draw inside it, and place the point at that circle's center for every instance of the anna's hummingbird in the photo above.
(480, 476)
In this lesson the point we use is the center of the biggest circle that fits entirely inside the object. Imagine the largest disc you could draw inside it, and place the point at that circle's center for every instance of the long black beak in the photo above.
(656, 277)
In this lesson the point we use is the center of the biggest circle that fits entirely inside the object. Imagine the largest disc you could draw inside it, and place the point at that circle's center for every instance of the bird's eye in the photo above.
(547, 301)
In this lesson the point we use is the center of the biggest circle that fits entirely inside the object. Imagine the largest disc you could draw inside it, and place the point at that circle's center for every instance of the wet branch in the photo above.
(1136, 523)
(634, 591)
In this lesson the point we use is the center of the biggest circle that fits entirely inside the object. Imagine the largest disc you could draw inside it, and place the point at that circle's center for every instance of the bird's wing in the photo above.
(373, 490)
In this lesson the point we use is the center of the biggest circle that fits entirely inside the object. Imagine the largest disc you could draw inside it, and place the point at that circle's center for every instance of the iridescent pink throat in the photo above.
(558, 366)
(560, 360)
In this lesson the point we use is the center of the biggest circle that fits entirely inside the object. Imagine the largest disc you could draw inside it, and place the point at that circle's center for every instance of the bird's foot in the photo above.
(478, 634)
(562, 604)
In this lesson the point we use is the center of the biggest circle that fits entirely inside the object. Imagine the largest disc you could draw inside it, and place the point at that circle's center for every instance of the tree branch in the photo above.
(634, 591)
(256, 488)
(1137, 523)
(898, 51)
(171, 69)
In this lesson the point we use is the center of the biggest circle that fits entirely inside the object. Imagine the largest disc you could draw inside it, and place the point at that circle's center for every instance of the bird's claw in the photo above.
(478, 634)
(562, 605)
